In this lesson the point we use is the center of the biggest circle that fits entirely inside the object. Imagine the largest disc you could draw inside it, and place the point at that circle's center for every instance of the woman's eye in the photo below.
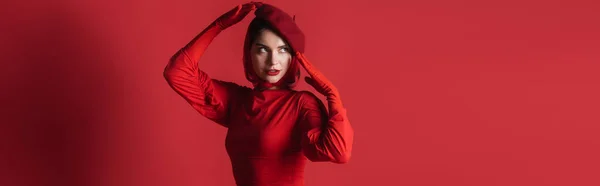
(283, 50)
(261, 50)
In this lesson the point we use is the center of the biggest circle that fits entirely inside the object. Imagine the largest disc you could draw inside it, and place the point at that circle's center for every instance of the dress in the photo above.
(270, 133)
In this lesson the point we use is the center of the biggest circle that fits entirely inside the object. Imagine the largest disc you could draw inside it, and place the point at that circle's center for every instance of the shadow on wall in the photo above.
(62, 93)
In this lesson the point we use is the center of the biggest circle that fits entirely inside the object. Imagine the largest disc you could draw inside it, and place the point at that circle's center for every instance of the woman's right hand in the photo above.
(236, 15)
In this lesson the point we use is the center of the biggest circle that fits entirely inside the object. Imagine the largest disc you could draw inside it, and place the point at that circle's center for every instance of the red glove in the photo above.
(321, 84)
(236, 14)
(198, 45)
(334, 141)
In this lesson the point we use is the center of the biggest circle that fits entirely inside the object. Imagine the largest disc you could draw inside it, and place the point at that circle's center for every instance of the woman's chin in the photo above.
(272, 79)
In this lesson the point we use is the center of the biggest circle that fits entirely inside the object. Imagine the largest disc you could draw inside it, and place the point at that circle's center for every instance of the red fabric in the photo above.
(271, 133)
(285, 26)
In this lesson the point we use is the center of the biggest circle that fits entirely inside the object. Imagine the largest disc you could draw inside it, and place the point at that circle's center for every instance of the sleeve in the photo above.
(208, 96)
(325, 137)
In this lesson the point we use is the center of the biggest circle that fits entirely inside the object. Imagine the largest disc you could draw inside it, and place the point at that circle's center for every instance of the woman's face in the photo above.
(270, 56)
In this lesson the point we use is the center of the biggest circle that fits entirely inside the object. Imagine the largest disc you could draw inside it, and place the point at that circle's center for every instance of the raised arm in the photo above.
(208, 96)
(327, 134)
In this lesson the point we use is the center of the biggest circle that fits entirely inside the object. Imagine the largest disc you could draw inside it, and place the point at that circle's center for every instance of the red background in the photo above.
(439, 92)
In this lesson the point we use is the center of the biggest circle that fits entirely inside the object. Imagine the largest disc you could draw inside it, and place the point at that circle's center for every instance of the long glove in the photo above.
(208, 96)
(322, 85)
(236, 15)
(198, 45)
(333, 141)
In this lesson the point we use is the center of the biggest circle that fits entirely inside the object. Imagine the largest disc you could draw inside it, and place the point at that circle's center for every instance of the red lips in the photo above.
(273, 72)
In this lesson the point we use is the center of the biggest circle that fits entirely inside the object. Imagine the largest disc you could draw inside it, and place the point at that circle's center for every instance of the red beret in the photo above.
(284, 24)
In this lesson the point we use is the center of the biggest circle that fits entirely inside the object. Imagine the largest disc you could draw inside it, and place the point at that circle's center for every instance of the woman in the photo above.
(271, 128)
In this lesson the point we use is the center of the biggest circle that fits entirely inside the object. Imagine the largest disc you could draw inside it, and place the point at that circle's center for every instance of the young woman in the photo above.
(271, 128)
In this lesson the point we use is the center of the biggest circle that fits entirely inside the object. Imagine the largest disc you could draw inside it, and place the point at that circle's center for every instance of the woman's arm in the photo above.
(208, 96)
(328, 135)
(325, 137)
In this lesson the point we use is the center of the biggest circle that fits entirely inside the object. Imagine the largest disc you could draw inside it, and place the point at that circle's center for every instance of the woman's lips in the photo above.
(273, 72)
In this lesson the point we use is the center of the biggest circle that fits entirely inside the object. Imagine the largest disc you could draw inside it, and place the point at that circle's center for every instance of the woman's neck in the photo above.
(271, 88)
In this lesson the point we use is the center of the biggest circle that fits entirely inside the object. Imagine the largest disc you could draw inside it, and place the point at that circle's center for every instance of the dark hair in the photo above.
(257, 26)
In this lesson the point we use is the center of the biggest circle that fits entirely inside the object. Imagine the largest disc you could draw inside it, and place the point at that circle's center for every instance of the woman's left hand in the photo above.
(316, 79)
(330, 139)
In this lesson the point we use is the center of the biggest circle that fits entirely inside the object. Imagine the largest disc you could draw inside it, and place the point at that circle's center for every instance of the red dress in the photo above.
(270, 133)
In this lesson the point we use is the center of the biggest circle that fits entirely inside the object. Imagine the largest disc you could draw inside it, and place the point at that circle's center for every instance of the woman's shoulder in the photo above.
(306, 97)
(231, 86)
(305, 93)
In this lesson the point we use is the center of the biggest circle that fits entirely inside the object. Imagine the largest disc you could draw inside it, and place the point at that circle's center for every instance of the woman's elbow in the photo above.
(166, 74)
(170, 70)
(338, 159)
(169, 73)
(342, 158)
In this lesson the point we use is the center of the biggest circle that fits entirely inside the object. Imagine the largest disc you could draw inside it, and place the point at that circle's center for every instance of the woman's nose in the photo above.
(273, 59)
